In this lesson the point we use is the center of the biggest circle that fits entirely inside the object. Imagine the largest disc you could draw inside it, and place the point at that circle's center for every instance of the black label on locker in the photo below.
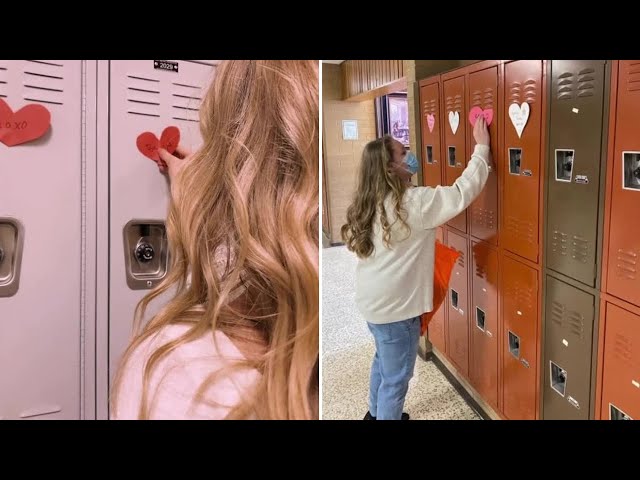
(527, 173)
(582, 179)
(165, 65)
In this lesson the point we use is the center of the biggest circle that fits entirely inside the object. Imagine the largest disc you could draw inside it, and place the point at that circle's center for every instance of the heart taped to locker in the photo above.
(25, 125)
(148, 144)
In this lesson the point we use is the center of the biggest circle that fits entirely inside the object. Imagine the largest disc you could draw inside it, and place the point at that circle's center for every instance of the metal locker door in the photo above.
(521, 165)
(570, 315)
(436, 330)
(483, 362)
(454, 149)
(621, 367)
(431, 164)
(483, 93)
(457, 302)
(41, 327)
(519, 334)
(575, 140)
(624, 240)
(143, 98)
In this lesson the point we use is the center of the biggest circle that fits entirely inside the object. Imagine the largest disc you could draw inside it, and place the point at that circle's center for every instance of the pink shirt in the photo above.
(178, 376)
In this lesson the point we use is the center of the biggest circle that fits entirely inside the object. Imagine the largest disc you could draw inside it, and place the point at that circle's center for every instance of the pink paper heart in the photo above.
(477, 112)
(431, 121)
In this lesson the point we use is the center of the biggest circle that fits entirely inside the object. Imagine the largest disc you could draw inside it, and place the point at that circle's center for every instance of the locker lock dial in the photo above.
(144, 252)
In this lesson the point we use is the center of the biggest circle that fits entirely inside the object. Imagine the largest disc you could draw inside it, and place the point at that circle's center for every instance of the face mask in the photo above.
(411, 162)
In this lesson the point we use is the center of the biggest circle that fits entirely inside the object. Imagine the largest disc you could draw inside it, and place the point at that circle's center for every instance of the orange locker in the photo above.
(454, 149)
(519, 337)
(623, 277)
(431, 121)
(483, 94)
(621, 365)
(483, 363)
(522, 114)
(457, 303)
(437, 327)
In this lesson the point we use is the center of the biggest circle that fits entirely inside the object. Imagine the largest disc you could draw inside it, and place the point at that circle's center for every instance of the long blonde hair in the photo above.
(375, 182)
(245, 226)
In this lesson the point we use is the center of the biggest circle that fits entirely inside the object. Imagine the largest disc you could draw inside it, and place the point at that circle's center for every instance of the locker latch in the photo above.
(631, 161)
(146, 253)
(11, 242)
(573, 402)
(564, 165)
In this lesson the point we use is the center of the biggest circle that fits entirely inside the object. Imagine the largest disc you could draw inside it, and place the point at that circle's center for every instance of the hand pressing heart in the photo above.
(148, 143)
(476, 112)
(27, 124)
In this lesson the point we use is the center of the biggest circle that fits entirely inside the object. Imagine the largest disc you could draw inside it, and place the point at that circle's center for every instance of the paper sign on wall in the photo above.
(148, 143)
(477, 112)
(519, 114)
(454, 121)
(349, 129)
(431, 121)
(27, 124)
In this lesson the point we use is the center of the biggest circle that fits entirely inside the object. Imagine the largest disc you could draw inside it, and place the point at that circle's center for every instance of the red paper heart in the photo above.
(27, 124)
(148, 143)
(477, 111)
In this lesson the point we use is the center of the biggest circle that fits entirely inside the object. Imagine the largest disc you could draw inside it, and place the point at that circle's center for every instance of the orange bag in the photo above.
(445, 259)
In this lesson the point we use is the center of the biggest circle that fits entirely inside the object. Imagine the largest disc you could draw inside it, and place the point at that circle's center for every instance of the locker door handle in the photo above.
(525, 363)
(573, 402)
(1, 254)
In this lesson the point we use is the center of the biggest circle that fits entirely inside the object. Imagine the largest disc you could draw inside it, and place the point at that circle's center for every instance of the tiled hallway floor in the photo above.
(347, 350)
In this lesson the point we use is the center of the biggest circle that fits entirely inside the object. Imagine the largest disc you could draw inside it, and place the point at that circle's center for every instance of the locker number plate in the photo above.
(164, 65)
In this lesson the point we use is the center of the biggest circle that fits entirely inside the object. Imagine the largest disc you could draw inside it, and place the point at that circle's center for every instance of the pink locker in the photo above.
(143, 97)
(43, 319)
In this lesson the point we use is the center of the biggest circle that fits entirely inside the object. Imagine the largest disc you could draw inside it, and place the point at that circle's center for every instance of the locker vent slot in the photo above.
(565, 86)
(575, 323)
(626, 264)
(557, 313)
(143, 96)
(580, 251)
(42, 62)
(559, 243)
(44, 83)
(586, 87)
(519, 92)
(623, 348)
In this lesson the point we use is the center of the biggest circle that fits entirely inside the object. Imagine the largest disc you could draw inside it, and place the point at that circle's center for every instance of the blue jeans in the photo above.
(393, 364)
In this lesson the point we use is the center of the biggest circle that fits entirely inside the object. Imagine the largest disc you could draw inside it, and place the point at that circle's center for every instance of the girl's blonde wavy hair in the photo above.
(244, 224)
(375, 183)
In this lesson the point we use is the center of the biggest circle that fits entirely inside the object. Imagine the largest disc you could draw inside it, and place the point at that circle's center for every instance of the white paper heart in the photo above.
(454, 121)
(519, 114)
